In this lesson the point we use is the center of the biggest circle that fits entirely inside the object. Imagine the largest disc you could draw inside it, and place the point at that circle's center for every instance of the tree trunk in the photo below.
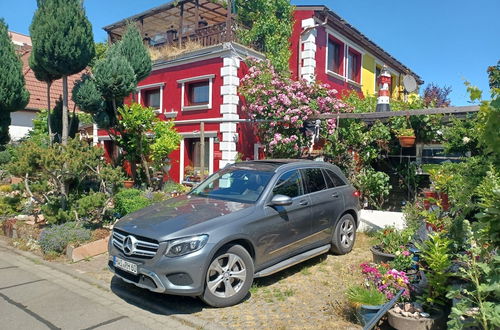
(144, 163)
(64, 138)
(49, 84)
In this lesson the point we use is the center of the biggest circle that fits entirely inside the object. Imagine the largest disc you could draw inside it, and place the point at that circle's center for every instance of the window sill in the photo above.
(196, 107)
(158, 111)
(172, 114)
(336, 75)
(354, 83)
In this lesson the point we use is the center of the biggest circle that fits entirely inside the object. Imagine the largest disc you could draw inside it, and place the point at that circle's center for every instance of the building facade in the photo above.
(200, 84)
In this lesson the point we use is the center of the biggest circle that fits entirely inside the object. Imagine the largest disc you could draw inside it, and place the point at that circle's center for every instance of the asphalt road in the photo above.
(36, 296)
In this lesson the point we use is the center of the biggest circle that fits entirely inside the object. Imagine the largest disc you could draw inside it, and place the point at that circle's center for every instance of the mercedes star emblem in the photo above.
(129, 245)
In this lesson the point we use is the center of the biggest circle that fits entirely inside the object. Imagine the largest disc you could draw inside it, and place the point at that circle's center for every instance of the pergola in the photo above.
(178, 21)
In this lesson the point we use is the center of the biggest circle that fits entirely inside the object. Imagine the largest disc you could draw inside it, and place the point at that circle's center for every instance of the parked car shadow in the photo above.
(164, 304)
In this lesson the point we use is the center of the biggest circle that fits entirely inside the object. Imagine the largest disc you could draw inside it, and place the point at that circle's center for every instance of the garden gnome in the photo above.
(384, 83)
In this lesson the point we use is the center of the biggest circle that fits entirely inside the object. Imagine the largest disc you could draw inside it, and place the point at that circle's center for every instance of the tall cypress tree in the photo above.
(13, 94)
(133, 49)
(63, 44)
(41, 74)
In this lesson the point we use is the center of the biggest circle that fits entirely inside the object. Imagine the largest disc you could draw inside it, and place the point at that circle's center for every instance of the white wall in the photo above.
(373, 220)
(22, 123)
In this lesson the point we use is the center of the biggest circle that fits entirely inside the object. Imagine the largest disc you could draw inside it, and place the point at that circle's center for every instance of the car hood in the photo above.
(162, 219)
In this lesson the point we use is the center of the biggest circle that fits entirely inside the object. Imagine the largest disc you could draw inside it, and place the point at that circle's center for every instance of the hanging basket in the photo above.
(407, 141)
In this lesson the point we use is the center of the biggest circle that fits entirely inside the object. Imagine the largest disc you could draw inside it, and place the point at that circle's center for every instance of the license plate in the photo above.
(125, 265)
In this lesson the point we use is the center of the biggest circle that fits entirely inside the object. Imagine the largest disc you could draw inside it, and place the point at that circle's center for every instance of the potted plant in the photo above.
(128, 183)
(366, 300)
(389, 241)
(427, 313)
(406, 137)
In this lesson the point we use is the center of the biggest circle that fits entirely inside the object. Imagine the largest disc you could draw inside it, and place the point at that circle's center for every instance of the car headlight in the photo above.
(186, 245)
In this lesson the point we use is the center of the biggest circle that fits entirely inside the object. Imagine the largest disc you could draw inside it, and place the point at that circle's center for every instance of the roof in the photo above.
(343, 27)
(38, 89)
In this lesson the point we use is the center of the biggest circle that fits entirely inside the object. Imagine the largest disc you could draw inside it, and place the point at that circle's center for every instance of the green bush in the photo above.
(56, 238)
(130, 200)
(10, 205)
(373, 185)
(390, 239)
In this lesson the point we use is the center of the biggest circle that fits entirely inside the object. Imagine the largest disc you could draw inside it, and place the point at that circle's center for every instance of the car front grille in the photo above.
(145, 248)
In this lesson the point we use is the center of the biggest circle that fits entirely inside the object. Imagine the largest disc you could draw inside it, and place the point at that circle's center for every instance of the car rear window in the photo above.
(314, 179)
(333, 179)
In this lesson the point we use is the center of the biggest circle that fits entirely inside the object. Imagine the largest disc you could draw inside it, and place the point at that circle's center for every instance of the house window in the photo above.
(196, 92)
(353, 66)
(335, 55)
(152, 98)
(199, 93)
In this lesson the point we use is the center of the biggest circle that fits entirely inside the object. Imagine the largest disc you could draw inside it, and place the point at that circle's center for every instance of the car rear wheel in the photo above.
(344, 235)
(229, 277)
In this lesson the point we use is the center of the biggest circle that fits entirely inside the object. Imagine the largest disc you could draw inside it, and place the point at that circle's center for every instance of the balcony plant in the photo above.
(406, 137)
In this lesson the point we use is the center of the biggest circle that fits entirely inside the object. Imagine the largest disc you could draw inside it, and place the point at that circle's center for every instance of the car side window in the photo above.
(334, 178)
(289, 184)
(314, 180)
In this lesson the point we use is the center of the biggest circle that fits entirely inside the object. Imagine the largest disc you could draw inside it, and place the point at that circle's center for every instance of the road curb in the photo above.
(188, 320)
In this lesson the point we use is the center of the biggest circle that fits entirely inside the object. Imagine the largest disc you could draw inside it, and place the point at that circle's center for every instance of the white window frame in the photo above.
(210, 78)
(160, 86)
(347, 44)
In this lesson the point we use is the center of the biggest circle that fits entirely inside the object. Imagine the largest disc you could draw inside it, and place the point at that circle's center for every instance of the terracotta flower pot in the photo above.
(379, 256)
(445, 204)
(128, 183)
(430, 198)
(407, 141)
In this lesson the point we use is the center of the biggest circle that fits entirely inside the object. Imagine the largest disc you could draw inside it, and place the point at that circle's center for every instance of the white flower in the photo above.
(465, 140)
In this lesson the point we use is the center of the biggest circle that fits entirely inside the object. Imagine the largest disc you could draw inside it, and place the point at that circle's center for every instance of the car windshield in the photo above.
(237, 184)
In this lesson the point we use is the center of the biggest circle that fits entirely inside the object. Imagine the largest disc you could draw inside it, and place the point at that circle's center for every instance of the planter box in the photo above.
(88, 250)
(379, 256)
(400, 322)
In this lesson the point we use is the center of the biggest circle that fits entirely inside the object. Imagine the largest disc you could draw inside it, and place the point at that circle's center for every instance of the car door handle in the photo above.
(303, 202)
(335, 195)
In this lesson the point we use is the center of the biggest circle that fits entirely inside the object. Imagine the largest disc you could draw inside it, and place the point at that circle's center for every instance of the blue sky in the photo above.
(444, 41)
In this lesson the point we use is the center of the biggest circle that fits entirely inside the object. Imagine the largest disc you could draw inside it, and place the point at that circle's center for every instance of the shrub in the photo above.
(130, 200)
(57, 237)
(10, 205)
(373, 185)
(390, 240)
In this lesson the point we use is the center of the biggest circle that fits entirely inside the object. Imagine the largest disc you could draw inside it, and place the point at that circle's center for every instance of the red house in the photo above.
(199, 62)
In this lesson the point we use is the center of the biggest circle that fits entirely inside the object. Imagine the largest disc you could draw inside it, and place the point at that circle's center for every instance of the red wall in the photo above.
(321, 54)
(172, 100)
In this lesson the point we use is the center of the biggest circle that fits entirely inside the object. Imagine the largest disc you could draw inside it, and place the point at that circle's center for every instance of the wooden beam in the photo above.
(181, 23)
(229, 21)
(196, 13)
(202, 150)
(404, 113)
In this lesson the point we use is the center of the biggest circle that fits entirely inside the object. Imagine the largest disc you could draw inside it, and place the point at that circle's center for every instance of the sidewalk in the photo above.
(91, 280)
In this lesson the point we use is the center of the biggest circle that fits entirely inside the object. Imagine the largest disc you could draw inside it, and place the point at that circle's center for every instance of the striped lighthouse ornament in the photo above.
(384, 83)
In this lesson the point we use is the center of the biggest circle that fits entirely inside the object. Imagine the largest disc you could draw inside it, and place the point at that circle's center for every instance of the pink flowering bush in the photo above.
(386, 280)
(284, 104)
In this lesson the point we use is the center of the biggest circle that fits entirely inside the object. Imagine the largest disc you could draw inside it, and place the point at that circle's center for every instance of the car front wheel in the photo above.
(229, 277)
(344, 235)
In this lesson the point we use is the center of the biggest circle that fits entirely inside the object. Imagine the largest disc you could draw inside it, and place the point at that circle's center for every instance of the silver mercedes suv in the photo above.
(248, 220)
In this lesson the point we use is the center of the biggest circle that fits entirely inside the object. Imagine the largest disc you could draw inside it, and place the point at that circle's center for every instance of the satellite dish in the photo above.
(409, 83)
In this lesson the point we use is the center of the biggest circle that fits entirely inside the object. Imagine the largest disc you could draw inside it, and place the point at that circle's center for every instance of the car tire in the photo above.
(228, 277)
(344, 235)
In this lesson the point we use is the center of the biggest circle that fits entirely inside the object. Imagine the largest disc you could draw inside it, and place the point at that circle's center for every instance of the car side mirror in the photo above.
(281, 200)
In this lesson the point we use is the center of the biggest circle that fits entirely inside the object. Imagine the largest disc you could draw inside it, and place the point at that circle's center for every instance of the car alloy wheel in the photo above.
(344, 235)
(226, 275)
(347, 233)
(229, 277)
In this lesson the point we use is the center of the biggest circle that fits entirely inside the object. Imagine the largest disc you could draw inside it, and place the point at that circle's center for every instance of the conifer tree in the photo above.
(13, 94)
(40, 73)
(63, 44)
(133, 49)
